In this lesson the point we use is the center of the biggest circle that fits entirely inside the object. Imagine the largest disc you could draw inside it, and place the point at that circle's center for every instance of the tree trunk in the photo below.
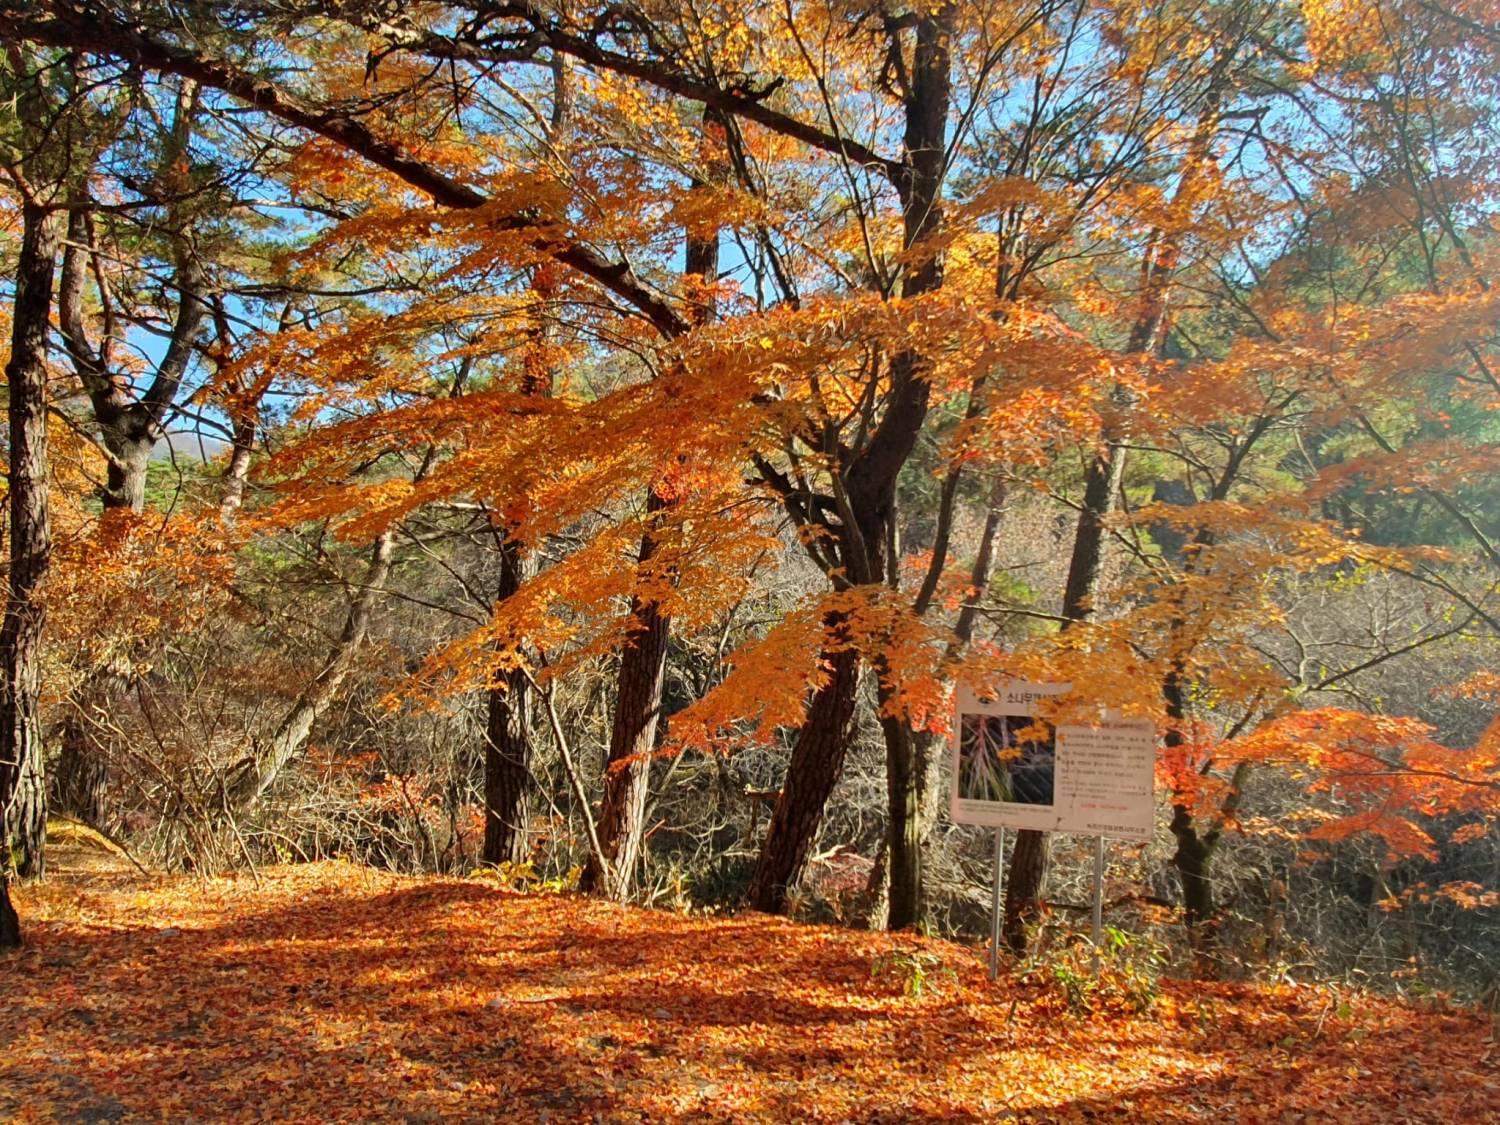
(1102, 483)
(507, 741)
(1028, 872)
(129, 425)
(1028, 863)
(643, 669)
(903, 833)
(817, 761)
(507, 721)
(10, 922)
(1196, 846)
(643, 666)
(1194, 849)
(872, 480)
(23, 791)
(238, 469)
(81, 774)
(256, 774)
(1085, 568)
(932, 752)
(1192, 862)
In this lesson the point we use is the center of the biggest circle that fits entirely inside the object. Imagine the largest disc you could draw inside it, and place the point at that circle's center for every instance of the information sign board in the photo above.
(1012, 770)
(1005, 759)
(1105, 777)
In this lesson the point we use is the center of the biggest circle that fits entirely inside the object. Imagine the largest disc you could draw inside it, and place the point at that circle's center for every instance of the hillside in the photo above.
(332, 992)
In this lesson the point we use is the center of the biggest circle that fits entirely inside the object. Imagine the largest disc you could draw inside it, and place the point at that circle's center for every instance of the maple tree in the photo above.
(647, 309)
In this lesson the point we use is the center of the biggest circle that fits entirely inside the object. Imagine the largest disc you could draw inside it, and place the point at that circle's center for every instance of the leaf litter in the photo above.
(333, 992)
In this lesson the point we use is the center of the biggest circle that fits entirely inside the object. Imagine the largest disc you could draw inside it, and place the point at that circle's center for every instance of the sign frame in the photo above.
(1098, 778)
(997, 720)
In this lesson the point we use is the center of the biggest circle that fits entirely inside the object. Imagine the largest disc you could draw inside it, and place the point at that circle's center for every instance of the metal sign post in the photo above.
(995, 905)
(1098, 899)
(1013, 769)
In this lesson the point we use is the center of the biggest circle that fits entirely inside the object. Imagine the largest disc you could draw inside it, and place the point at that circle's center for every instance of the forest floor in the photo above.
(334, 993)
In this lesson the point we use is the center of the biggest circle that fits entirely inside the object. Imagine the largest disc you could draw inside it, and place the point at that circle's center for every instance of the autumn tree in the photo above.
(36, 164)
(1206, 92)
(1082, 258)
(130, 420)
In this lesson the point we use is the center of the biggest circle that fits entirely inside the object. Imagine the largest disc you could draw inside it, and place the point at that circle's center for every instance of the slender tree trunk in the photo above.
(816, 763)
(257, 773)
(872, 485)
(1027, 872)
(932, 752)
(238, 469)
(23, 791)
(507, 741)
(643, 666)
(903, 834)
(643, 669)
(1085, 568)
(1101, 486)
(129, 425)
(507, 721)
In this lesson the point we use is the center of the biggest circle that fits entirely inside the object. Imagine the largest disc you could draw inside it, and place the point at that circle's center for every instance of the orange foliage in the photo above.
(1387, 769)
(332, 992)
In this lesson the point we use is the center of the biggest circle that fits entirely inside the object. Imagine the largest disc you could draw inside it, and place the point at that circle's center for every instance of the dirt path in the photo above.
(333, 993)
(78, 854)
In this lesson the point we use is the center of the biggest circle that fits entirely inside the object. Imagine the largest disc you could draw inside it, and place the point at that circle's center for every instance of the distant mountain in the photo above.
(189, 445)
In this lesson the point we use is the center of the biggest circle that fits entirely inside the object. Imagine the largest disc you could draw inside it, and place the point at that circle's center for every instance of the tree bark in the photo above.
(1028, 862)
(129, 424)
(507, 741)
(643, 666)
(238, 470)
(932, 752)
(1102, 482)
(1196, 846)
(10, 921)
(903, 835)
(507, 723)
(1023, 889)
(873, 497)
(23, 791)
(817, 761)
(866, 505)
(81, 773)
(258, 772)
(1192, 861)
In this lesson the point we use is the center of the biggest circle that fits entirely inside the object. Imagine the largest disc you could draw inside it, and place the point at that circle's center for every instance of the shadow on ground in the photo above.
(328, 993)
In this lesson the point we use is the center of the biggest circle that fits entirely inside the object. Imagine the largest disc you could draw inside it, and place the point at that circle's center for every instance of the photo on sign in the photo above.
(999, 759)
